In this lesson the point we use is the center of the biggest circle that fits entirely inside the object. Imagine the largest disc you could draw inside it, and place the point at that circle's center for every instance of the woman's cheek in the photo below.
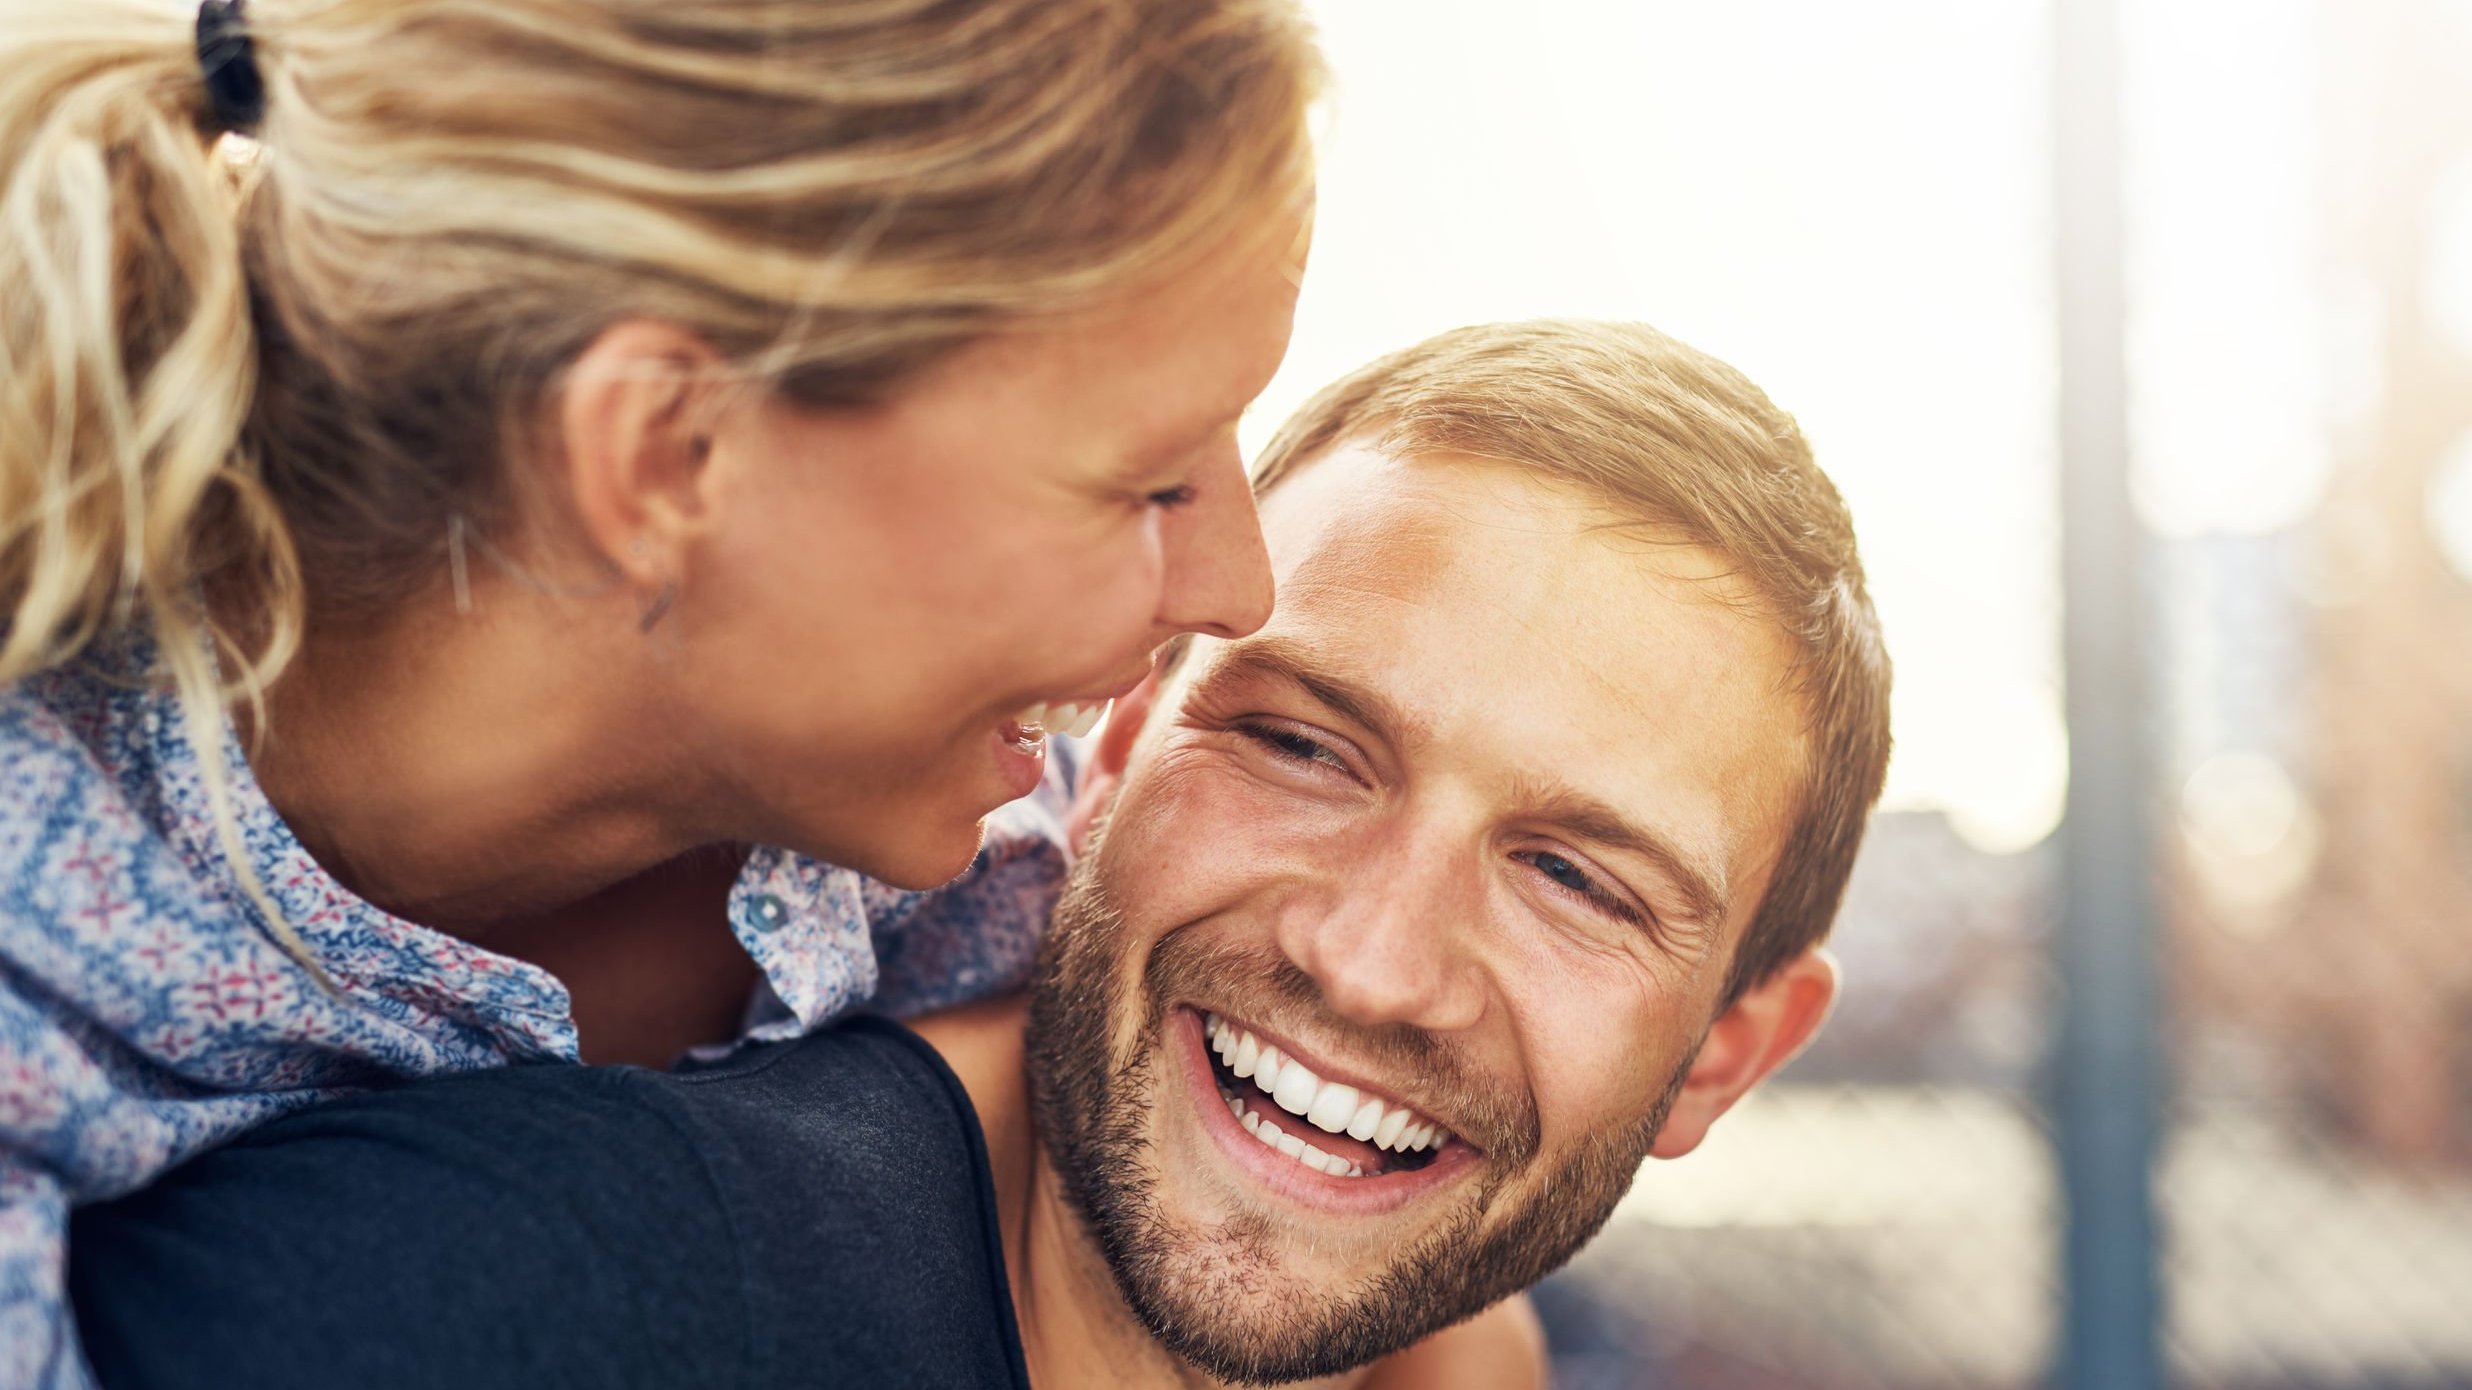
(1112, 597)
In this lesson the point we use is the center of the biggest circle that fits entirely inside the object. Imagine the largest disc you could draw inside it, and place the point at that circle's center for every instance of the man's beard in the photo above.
(1193, 1289)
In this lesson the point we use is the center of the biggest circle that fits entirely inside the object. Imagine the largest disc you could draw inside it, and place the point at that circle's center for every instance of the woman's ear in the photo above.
(1109, 752)
(630, 418)
(1758, 1033)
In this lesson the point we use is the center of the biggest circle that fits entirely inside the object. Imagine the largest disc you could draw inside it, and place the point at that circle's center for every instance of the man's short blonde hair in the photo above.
(1663, 433)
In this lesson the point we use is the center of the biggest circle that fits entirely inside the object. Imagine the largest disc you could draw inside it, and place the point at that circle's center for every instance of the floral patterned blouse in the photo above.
(146, 1011)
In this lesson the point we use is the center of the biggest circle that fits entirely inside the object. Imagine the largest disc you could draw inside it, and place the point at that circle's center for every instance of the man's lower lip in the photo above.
(1370, 1195)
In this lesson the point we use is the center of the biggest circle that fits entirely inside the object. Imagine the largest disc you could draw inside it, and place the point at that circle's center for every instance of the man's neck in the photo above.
(1076, 1328)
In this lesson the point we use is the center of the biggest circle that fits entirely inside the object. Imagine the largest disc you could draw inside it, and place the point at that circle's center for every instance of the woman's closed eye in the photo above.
(1170, 498)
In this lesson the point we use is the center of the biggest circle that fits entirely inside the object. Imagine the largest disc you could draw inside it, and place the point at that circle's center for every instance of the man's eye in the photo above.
(1576, 880)
(1286, 743)
(1176, 496)
(1564, 872)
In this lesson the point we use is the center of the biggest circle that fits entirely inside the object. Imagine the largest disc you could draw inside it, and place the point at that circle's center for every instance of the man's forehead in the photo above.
(1442, 562)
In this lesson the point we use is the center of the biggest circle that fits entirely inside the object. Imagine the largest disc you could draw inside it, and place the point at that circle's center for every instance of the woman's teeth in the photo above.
(1329, 1106)
(1073, 719)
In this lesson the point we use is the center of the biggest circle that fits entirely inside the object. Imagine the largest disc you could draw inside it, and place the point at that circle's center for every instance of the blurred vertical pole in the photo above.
(2105, 1081)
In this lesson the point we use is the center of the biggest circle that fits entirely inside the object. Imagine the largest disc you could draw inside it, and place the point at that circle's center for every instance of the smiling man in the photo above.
(1496, 862)
(1403, 931)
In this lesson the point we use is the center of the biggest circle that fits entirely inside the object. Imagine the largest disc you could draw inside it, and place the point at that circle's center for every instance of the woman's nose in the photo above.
(1216, 571)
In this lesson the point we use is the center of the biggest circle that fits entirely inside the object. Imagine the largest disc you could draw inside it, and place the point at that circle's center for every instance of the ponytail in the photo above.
(127, 370)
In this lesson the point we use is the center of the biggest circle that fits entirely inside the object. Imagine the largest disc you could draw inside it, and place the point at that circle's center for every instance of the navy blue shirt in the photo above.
(816, 1212)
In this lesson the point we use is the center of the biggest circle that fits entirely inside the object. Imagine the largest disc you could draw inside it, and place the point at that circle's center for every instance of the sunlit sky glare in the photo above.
(1849, 203)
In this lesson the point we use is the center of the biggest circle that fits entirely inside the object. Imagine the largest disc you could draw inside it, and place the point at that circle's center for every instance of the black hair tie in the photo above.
(235, 93)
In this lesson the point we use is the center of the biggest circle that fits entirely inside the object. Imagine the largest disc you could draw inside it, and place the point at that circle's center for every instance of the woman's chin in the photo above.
(923, 857)
(921, 831)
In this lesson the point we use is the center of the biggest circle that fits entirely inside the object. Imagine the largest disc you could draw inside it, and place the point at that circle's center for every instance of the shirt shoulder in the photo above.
(863, 1127)
(816, 1210)
(146, 1009)
(831, 939)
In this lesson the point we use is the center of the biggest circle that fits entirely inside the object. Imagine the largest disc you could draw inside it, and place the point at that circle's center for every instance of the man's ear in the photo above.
(634, 426)
(1760, 1032)
(1104, 772)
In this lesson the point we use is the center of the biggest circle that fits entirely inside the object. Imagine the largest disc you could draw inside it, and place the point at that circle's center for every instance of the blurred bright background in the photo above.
(1853, 204)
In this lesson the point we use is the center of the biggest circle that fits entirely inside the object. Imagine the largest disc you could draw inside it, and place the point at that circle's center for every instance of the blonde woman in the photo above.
(489, 559)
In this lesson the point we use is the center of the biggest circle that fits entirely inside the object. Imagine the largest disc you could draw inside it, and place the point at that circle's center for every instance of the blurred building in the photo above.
(1942, 944)
(2321, 677)
(2392, 915)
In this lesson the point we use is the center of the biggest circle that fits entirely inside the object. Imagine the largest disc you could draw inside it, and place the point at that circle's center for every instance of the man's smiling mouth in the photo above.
(1327, 1126)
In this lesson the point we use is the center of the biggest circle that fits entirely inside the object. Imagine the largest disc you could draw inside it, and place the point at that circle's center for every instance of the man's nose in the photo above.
(1396, 945)
(1215, 572)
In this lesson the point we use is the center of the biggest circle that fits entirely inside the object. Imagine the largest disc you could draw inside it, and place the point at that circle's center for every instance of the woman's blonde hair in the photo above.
(242, 382)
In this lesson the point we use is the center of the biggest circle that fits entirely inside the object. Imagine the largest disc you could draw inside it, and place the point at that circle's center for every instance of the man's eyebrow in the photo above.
(1701, 885)
(1286, 659)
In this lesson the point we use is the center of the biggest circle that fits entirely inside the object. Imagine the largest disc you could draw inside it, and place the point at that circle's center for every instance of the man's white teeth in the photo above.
(1329, 1106)
(1333, 1108)
(1298, 1089)
(1366, 1120)
(1074, 719)
(1387, 1132)
(1274, 1137)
